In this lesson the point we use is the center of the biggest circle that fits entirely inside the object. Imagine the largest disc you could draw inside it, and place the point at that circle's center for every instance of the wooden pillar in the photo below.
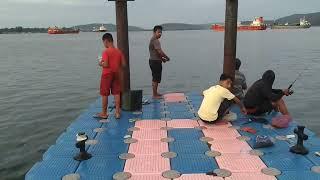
(230, 37)
(123, 39)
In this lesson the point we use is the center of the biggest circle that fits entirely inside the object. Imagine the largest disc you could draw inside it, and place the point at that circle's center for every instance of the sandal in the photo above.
(98, 116)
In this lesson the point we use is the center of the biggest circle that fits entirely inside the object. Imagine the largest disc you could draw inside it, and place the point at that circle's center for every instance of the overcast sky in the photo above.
(143, 13)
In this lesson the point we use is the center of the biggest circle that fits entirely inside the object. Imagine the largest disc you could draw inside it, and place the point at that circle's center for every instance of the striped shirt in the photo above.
(239, 84)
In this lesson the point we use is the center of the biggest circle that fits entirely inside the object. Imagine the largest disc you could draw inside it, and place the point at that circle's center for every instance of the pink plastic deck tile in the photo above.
(149, 134)
(150, 124)
(230, 146)
(175, 99)
(151, 147)
(215, 125)
(147, 164)
(250, 176)
(147, 177)
(240, 162)
(182, 123)
(198, 177)
(174, 95)
(221, 133)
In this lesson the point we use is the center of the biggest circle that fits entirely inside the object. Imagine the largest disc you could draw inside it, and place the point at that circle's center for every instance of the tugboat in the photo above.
(56, 30)
(102, 29)
(304, 24)
(256, 25)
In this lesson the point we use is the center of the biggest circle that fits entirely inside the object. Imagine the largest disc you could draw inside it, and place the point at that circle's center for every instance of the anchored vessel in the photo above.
(256, 25)
(304, 24)
(56, 30)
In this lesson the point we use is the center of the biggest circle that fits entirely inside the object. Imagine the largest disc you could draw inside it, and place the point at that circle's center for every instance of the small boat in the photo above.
(102, 29)
(256, 25)
(304, 24)
(56, 30)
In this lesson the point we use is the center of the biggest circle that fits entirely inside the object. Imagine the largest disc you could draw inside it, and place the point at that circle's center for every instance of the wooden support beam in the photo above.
(230, 37)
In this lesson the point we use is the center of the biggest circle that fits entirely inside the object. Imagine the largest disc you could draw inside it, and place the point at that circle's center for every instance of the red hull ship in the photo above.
(57, 30)
(256, 25)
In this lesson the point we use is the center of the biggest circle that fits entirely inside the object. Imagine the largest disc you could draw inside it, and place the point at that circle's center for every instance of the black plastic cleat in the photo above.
(299, 148)
(81, 144)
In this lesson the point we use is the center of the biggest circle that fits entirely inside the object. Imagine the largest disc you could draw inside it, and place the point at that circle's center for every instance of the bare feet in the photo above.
(101, 115)
(117, 115)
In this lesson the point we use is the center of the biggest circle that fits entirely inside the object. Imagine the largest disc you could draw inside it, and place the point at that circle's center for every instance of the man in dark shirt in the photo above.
(239, 84)
(157, 57)
(261, 98)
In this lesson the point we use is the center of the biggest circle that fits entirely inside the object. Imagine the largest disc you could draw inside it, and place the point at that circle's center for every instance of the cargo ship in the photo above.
(304, 24)
(256, 25)
(56, 30)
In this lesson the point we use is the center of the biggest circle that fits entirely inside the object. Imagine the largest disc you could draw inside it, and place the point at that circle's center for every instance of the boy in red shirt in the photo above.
(112, 63)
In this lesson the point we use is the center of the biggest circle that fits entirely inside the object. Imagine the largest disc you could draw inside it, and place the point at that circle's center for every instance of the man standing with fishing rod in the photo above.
(262, 98)
(157, 57)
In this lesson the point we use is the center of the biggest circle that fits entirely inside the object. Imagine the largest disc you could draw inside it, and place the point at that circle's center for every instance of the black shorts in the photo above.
(156, 69)
(265, 107)
(224, 107)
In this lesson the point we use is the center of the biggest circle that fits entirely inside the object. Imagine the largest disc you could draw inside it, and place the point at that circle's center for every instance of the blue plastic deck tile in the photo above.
(195, 103)
(152, 100)
(259, 128)
(185, 134)
(313, 158)
(116, 133)
(298, 175)
(193, 163)
(152, 115)
(196, 107)
(153, 109)
(123, 123)
(188, 147)
(240, 121)
(174, 109)
(193, 94)
(181, 115)
(63, 150)
(100, 167)
(70, 136)
(108, 147)
(313, 145)
(85, 123)
(288, 130)
(287, 161)
(52, 169)
(279, 146)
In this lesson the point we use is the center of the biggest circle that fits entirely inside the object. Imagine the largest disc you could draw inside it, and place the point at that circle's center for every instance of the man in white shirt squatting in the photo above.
(217, 100)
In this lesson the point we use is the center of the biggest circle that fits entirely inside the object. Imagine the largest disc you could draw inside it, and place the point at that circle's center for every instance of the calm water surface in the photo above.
(47, 81)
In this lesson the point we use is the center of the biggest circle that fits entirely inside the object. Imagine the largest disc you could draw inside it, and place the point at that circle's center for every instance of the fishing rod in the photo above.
(294, 81)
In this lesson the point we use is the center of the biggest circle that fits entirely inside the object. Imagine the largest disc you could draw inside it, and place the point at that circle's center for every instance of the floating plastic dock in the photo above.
(168, 141)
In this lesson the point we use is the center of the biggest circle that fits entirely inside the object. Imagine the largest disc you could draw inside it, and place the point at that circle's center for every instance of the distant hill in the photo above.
(313, 18)
(110, 27)
(183, 26)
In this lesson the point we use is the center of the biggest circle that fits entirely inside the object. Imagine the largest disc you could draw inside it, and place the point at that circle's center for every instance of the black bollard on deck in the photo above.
(299, 148)
(81, 144)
